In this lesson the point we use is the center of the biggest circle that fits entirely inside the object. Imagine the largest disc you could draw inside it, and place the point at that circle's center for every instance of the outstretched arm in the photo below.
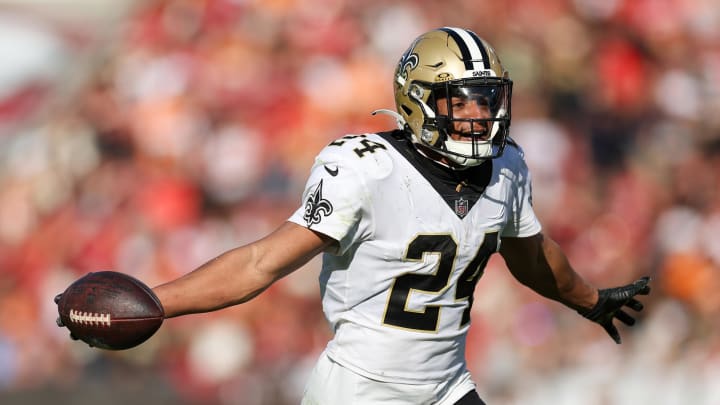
(539, 263)
(242, 273)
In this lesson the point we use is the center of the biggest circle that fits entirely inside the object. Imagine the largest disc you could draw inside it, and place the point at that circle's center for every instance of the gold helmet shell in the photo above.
(449, 61)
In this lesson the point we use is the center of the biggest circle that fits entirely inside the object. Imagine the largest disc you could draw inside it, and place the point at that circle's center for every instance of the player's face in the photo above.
(466, 108)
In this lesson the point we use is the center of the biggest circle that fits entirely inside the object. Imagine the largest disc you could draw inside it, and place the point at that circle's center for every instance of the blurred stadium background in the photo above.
(147, 137)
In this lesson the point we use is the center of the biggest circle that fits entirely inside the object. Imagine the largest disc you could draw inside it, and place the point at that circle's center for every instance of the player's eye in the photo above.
(458, 104)
(482, 101)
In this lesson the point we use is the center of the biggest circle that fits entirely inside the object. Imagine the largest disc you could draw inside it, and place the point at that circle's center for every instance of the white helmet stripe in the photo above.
(473, 50)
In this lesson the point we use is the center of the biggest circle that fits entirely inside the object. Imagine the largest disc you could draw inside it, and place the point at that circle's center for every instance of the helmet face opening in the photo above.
(454, 95)
(469, 116)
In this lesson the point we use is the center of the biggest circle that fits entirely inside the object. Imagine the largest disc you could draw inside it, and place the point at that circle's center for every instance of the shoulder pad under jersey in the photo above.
(367, 154)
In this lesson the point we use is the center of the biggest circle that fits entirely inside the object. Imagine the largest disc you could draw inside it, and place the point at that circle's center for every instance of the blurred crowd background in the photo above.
(148, 137)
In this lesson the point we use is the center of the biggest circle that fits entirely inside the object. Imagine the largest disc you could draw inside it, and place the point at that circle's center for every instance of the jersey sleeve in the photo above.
(523, 222)
(334, 200)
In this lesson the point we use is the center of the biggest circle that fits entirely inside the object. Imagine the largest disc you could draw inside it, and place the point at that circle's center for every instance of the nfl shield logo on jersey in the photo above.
(461, 207)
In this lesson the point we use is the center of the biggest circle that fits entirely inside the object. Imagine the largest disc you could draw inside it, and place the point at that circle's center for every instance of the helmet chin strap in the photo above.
(465, 148)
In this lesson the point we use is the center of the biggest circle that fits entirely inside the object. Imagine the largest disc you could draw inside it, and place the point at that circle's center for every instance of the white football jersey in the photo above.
(413, 240)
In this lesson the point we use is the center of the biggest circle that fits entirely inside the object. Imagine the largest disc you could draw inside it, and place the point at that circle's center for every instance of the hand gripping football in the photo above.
(110, 310)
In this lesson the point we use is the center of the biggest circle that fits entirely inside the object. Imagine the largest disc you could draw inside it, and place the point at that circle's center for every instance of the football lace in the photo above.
(89, 318)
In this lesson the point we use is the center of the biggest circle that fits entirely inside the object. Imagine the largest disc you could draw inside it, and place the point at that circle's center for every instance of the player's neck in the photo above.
(437, 158)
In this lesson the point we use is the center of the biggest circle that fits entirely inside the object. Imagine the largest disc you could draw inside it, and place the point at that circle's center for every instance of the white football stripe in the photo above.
(475, 52)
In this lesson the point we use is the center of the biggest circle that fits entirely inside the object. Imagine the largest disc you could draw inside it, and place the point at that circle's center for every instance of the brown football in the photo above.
(110, 310)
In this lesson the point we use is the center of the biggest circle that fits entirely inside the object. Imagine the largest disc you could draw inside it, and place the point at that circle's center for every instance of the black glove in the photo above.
(610, 303)
(59, 321)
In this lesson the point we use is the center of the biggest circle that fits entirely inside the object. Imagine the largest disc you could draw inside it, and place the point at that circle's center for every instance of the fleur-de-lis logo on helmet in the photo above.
(408, 62)
(316, 206)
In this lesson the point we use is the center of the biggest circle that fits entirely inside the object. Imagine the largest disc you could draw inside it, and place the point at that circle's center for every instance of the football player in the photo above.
(406, 221)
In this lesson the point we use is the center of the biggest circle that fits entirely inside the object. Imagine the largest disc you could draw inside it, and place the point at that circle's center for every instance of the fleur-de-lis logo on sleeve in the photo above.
(316, 206)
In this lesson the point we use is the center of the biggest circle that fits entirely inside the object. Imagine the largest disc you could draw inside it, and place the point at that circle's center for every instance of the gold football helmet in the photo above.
(450, 64)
